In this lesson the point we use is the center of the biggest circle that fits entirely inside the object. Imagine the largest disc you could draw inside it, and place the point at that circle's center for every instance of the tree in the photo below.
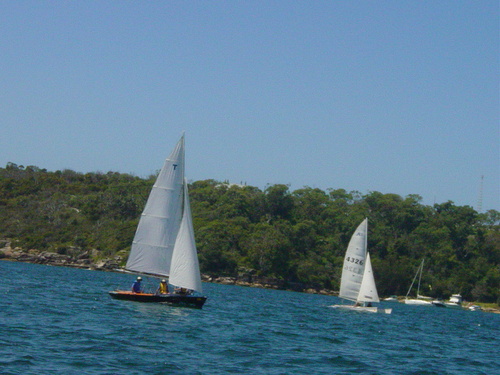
(278, 202)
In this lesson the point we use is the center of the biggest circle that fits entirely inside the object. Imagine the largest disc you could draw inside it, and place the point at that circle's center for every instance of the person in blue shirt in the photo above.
(136, 286)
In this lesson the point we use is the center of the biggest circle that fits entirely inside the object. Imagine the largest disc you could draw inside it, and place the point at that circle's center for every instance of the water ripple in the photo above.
(71, 326)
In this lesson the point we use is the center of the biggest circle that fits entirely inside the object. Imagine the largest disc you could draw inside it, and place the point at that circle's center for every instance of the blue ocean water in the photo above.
(56, 320)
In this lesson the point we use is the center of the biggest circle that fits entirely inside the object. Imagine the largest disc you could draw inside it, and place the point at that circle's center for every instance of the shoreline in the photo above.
(84, 261)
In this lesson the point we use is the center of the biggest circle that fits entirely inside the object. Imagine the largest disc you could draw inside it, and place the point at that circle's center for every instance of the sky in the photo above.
(399, 97)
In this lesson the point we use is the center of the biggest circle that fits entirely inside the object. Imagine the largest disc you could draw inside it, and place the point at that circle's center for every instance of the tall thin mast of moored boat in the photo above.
(420, 277)
(419, 274)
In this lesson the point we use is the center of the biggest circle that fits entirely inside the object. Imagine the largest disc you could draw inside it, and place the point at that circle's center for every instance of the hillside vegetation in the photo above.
(297, 236)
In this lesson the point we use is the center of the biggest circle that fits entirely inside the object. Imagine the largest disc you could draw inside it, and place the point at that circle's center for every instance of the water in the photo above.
(56, 320)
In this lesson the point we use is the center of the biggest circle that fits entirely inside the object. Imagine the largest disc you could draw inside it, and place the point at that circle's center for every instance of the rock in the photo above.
(106, 265)
(226, 280)
(100, 264)
(84, 255)
(243, 283)
(6, 252)
(4, 244)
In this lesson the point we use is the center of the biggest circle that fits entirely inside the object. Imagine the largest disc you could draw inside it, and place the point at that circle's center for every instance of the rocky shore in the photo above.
(93, 260)
(247, 279)
(70, 258)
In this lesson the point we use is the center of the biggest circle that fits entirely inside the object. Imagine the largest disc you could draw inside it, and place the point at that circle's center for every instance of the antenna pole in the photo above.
(480, 197)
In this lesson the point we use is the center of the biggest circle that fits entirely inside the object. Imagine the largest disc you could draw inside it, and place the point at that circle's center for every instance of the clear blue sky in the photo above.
(391, 96)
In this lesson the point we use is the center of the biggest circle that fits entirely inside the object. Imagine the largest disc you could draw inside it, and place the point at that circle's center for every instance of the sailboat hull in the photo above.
(371, 309)
(170, 299)
(418, 302)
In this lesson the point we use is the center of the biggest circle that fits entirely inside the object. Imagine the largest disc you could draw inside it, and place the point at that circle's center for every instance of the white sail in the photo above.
(159, 224)
(357, 282)
(184, 269)
(354, 263)
(368, 289)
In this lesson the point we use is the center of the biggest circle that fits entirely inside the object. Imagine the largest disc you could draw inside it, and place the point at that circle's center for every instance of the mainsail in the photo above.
(159, 224)
(354, 263)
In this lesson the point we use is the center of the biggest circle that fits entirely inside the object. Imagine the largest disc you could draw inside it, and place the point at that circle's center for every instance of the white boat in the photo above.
(164, 244)
(420, 300)
(391, 299)
(455, 301)
(357, 283)
(475, 308)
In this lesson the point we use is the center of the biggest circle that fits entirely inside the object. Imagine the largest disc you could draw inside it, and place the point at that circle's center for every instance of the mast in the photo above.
(419, 273)
(413, 282)
(420, 277)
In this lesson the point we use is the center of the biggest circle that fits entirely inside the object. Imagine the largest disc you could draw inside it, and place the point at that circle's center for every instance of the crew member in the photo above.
(136, 286)
(163, 288)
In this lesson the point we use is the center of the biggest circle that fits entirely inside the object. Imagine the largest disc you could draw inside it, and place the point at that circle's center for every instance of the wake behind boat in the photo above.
(358, 283)
(164, 244)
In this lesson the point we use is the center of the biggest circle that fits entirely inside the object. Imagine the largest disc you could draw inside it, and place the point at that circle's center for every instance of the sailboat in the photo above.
(358, 283)
(420, 300)
(164, 244)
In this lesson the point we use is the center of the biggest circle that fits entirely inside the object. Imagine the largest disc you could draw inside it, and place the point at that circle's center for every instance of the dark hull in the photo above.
(438, 304)
(171, 299)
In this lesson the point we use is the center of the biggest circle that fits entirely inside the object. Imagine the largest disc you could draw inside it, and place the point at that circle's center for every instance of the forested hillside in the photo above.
(298, 236)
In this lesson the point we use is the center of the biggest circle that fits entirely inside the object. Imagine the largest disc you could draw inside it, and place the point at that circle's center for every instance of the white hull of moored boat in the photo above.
(455, 302)
(390, 299)
(418, 302)
(452, 305)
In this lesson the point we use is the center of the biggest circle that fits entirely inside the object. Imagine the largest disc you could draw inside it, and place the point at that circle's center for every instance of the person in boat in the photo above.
(183, 291)
(136, 286)
(163, 288)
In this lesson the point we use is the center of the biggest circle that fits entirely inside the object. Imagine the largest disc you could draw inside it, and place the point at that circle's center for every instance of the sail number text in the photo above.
(354, 260)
